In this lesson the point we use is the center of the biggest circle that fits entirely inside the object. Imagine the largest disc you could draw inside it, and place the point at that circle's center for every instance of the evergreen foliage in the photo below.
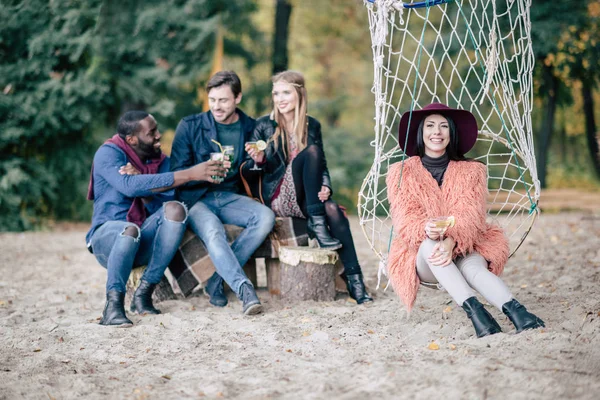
(68, 68)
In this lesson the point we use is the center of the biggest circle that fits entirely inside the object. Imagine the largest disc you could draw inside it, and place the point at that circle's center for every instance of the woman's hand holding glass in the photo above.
(257, 155)
(435, 229)
(433, 232)
(441, 255)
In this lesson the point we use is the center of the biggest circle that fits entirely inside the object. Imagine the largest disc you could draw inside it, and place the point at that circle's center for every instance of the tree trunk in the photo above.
(280, 37)
(551, 85)
(590, 126)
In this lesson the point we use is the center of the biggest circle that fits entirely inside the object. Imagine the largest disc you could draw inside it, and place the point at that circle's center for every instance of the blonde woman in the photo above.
(295, 179)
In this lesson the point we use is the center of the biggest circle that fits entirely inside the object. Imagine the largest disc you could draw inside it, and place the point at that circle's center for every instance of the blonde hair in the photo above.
(300, 126)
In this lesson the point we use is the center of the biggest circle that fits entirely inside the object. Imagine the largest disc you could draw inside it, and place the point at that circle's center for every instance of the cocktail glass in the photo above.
(258, 146)
(443, 222)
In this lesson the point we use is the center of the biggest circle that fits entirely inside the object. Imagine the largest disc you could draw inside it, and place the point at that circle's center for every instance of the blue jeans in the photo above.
(206, 218)
(154, 245)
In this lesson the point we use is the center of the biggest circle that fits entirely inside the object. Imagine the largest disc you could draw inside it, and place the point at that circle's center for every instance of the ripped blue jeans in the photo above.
(154, 245)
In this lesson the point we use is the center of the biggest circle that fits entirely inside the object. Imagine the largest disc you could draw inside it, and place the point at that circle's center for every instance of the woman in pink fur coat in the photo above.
(437, 180)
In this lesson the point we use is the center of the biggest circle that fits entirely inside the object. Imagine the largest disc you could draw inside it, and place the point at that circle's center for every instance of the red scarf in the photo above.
(137, 211)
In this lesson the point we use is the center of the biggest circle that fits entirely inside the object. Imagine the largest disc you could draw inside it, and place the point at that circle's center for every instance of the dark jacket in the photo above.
(192, 145)
(273, 169)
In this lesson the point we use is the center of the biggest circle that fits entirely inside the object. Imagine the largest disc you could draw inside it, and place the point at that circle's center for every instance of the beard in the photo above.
(149, 150)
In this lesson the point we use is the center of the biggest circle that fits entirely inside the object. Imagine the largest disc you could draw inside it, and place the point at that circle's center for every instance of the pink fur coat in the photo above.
(463, 194)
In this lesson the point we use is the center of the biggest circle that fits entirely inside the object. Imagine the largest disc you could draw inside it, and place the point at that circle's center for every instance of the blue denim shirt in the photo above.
(114, 193)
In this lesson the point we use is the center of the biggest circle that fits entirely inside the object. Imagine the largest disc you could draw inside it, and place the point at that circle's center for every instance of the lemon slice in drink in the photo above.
(261, 145)
(451, 221)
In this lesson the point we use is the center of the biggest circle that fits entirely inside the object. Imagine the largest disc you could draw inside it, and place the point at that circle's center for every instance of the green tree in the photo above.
(330, 44)
(548, 21)
(47, 108)
(68, 68)
(578, 59)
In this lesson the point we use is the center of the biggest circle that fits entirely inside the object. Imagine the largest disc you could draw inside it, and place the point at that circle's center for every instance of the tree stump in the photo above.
(303, 274)
(162, 292)
(340, 285)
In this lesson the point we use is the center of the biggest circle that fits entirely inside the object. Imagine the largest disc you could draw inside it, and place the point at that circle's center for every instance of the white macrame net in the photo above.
(474, 55)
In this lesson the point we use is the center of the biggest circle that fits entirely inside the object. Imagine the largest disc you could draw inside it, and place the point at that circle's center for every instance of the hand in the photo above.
(257, 155)
(441, 255)
(432, 232)
(206, 170)
(324, 194)
(128, 169)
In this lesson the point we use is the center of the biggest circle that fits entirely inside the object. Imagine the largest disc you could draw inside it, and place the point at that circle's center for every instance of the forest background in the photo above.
(69, 68)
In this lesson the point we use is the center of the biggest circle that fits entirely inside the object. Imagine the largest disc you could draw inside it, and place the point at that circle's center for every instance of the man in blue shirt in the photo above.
(212, 205)
(135, 220)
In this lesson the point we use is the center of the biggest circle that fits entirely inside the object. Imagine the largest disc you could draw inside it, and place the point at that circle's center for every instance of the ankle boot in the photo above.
(317, 229)
(520, 317)
(114, 310)
(356, 287)
(482, 320)
(250, 302)
(215, 291)
(142, 299)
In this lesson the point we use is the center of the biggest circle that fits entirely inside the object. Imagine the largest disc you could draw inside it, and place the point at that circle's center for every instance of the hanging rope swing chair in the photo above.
(474, 55)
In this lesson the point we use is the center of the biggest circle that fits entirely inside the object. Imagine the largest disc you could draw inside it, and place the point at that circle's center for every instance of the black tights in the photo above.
(307, 170)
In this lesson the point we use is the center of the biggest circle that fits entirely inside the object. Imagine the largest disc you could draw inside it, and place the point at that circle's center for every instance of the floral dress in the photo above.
(285, 202)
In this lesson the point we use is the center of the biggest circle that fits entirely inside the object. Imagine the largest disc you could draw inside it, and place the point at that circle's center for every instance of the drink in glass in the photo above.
(443, 223)
(217, 157)
(229, 152)
(261, 145)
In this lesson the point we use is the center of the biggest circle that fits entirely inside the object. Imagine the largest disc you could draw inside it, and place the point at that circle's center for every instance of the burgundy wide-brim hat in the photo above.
(466, 127)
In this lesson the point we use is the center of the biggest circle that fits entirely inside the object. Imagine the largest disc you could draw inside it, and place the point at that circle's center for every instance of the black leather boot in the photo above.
(317, 229)
(250, 302)
(142, 299)
(482, 320)
(356, 288)
(215, 291)
(520, 317)
(114, 310)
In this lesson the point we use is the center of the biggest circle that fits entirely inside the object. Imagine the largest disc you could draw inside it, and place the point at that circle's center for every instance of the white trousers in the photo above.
(463, 277)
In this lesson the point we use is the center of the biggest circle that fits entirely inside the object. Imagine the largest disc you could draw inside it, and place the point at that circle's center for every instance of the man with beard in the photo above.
(213, 204)
(135, 220)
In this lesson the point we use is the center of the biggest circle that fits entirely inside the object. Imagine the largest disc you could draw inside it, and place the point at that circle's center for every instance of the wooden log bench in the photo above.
(191, 266)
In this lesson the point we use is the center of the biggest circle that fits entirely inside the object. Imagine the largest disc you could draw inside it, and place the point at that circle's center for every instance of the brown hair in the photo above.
(228, 78)
(300, 127)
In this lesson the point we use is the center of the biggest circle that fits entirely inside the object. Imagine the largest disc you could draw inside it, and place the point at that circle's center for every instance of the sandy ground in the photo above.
(52, 295)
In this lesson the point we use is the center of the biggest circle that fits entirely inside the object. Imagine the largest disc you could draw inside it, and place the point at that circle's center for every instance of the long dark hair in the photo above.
(451, 149)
